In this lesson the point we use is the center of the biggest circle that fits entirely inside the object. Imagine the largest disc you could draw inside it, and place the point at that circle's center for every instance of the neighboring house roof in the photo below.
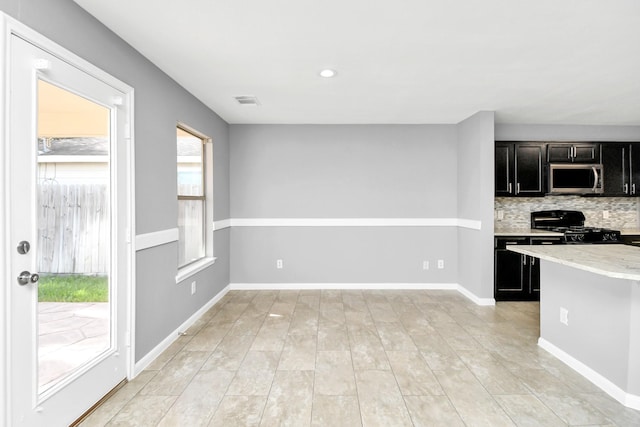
(73, 146)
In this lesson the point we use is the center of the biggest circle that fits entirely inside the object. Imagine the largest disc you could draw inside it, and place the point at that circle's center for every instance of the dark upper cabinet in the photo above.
(634, 169)
(621, 169)
(529, 169)
(504, 169)
(519, 169)
(573, 153)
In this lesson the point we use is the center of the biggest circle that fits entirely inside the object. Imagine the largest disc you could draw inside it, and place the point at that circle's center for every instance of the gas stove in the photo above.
(589, 235)
(571, 225)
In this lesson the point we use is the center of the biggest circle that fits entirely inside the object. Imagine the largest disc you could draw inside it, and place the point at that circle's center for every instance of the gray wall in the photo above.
(159, 104)
(516, 132)
(475, 192)
(343, 171)
(601, 332)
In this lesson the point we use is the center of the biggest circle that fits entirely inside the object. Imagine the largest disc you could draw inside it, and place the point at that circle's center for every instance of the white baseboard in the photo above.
(157, 350)
(476, 299)
(375, 286)
(346, 286)
(627, 399)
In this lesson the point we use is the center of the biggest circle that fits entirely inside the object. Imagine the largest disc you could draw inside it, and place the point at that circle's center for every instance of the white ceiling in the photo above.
(402, 61)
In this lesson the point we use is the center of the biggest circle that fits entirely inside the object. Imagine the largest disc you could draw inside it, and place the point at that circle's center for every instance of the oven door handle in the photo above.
(596, 176)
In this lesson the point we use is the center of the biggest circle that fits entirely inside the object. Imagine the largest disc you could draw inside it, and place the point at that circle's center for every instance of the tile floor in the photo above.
(351, 358)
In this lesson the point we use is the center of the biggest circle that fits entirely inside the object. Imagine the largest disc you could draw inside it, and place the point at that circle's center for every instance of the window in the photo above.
(192, 196)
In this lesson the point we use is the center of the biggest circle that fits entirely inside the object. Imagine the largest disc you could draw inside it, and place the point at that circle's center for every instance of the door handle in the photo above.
(626, 189)
(595, 183)
(633, 189)
(509, 188)
(26, 277)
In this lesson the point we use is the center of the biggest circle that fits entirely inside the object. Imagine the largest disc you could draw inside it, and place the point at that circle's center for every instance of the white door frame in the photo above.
(8, 28)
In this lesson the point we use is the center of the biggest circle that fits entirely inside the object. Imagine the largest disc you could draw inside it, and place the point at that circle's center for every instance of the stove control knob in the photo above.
(580, 237)
(606, 236)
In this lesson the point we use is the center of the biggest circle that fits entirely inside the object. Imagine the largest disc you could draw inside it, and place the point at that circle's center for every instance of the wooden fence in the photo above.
(73, 228)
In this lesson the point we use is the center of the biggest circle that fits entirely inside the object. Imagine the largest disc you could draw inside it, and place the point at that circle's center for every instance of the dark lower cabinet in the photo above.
(517, 276)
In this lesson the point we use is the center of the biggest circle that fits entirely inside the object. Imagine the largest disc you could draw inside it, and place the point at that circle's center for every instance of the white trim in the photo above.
(157, 350)
(73, 159)
(191, 269)
(156, 238)
(5, 410)
(627, 399)
(349, 286)
(355, 222)
(221, 225)
(476, 299)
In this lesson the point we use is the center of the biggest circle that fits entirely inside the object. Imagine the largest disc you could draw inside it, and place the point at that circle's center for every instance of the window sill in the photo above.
(191, 269)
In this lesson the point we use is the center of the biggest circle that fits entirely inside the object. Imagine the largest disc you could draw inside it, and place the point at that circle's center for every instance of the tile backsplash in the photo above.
(623, 212)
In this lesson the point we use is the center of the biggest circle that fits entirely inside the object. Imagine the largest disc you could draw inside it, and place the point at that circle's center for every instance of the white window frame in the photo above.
(194, 267)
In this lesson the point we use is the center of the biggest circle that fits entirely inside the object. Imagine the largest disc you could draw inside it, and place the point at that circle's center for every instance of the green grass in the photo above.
(73, 288)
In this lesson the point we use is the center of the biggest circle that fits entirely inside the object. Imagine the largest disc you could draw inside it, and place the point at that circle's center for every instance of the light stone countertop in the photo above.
(527, 232)
(630, 232)
(611, 260)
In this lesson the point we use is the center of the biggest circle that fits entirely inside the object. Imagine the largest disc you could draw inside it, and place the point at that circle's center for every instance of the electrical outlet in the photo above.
(441, 264)
(279, 264)
(605, 214)
(564, 316)
(193, 287)
(500, 215)
(425, 265)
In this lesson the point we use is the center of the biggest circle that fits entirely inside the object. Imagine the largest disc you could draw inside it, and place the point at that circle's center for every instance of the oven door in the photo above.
(575, 179)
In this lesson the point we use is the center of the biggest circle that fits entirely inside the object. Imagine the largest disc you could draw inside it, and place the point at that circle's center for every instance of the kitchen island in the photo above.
(590, 312)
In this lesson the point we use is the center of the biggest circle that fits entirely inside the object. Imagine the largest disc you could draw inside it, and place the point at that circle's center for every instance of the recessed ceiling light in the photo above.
(327, 72)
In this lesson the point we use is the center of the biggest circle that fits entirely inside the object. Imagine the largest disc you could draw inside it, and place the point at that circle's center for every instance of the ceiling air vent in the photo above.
(247, 100)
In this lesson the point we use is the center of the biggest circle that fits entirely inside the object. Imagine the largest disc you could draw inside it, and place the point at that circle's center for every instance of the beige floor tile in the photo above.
(239, 411)
(164, 358)
(367, 352)
(197, 403)
(304, 321)
(412, 373)
(105, 412)
(334, 374)
(333, 338)
(381, 357)
(260, 361)
(209, 337)
(251, 383)
(290, 399)
(437, 353)
(528, 411)
(229, 313)
(492, 374)
(381, 403)
(229, 354)
(143, 411)
(335, 411)
(432, 411)
(394, 337)
(470, 399)
(247, 325)
(382, 312)
(612, 409)
(299, 353)
(176, 375)
(573, 410)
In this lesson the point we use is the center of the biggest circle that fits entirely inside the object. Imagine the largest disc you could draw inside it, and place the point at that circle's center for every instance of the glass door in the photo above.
(68, 220)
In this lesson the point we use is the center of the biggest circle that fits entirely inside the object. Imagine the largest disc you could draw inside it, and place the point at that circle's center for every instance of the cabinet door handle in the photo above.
(533, 261)
(626, 189)
(509, 188)
(524, 260)
(518, 188)
(633, 189)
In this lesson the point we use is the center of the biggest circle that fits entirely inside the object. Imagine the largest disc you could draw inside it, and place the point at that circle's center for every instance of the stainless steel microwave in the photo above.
(575, 178)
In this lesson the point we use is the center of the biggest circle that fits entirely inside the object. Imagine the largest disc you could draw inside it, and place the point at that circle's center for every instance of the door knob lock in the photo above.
(23, 247)
(26, 277)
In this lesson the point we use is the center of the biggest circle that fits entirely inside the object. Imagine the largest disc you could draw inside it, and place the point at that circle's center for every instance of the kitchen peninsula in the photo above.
(590, 312)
